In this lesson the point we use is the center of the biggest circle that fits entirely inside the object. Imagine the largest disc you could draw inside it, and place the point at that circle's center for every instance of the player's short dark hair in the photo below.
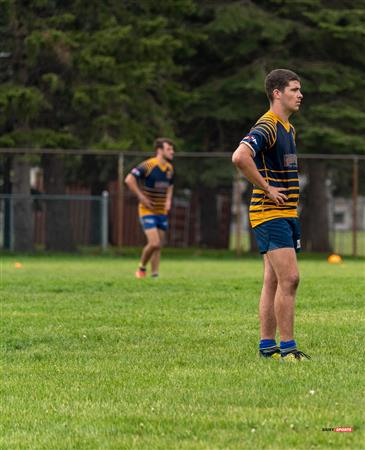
(279, 79)
(159, 142)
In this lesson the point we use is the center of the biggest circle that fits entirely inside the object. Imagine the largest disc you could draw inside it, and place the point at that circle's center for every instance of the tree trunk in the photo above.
(315, 215)
(58, 225)
(22, 207)
(7, 208)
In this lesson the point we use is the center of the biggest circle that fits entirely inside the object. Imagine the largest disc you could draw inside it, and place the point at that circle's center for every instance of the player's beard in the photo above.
(167, 159)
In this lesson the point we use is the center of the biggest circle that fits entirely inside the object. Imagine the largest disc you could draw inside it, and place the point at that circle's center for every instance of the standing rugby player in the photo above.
(266, 156)
(152, 182)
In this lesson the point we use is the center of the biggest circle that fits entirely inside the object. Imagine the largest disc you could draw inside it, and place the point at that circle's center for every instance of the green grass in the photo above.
(94, 359)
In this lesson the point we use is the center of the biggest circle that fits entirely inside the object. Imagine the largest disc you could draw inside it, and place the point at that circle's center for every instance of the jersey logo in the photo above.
(136, 172)
(169, 174)
(250, 139)
(290, 160)
(161, 184)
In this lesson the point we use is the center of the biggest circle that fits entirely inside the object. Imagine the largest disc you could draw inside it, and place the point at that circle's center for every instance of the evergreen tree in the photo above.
(323, 41)
(86, 74)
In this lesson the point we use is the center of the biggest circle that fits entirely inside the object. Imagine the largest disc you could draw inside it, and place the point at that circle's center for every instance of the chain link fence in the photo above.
(86, 216)
(67, 200)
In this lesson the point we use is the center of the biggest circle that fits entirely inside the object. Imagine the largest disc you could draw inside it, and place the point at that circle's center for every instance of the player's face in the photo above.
(291, 97)
(167, 151)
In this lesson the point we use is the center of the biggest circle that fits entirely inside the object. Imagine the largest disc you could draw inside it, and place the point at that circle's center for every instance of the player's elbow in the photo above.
(238, 158)
(128, 180)
(235, 158)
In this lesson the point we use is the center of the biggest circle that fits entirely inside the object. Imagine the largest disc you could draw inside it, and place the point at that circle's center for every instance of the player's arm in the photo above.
(170, 192)
(131, 182)
(242, 158)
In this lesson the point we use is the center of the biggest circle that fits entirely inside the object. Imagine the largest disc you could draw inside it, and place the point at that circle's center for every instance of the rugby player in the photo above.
(266, 156)
(152, 182)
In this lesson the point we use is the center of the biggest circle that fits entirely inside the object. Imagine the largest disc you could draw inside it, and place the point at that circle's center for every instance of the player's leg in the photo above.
(156, 255)
(284, 263)
(268, 347)
(162, 226)
(153, 244)
(279, 239)
(267, 300)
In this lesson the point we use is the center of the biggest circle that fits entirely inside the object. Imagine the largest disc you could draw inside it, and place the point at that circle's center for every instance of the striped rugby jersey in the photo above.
(273, 144)
(154, 179)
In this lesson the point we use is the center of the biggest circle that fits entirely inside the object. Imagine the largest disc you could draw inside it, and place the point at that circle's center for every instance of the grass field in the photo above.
(94, 359)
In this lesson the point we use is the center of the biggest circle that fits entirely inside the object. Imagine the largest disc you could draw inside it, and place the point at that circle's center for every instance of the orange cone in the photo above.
(334, 259)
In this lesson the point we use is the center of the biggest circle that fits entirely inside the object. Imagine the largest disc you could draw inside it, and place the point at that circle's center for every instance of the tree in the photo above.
(87, 74)
(22, 207)
(321, 40)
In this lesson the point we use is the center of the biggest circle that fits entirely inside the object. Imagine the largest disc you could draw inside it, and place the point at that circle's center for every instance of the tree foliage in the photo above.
(116, 74)
(89, 74)
(323, 41)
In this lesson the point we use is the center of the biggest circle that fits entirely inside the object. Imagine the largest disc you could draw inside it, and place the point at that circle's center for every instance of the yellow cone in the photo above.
(334, 259)
(18, 265)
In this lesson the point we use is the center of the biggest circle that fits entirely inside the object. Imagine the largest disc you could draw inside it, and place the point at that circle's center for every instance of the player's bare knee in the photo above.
(293, 280)
(155, 245)
(289, 283)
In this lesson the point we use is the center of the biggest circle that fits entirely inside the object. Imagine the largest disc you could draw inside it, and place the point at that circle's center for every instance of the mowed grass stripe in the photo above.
(94, 359)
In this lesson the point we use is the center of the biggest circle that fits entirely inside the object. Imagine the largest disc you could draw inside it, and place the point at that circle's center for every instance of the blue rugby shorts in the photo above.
(278, 233)
(154, 221)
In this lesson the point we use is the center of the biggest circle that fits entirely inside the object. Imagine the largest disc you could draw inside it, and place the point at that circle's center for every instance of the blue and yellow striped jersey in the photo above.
(154, 178)
(273, 144)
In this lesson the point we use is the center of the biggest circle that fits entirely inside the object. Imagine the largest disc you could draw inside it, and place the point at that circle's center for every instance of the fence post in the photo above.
(11, 224)
(120, 200)
(238, 208)
(355, 192)
(104, 219)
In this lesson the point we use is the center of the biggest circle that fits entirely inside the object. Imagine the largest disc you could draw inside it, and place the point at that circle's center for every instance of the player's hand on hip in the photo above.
(276, 195)
(146, 202)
